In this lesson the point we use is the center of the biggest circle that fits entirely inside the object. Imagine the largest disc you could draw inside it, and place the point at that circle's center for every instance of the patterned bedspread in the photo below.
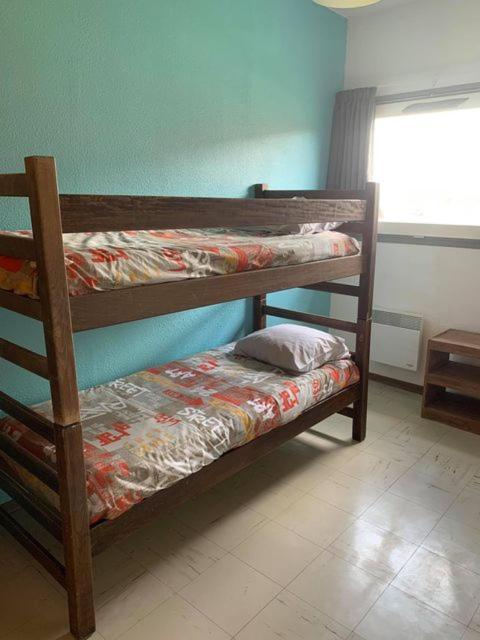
(144, 432)
(115, 260)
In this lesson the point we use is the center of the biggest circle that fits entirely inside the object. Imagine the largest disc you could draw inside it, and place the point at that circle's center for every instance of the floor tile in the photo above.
(474, 482)
(315, 520)
(266, 495)
(457, 542)
(445, 586)
(462, 442)
(111, 570)
(175, 553)
(330, 452)
(289, 618)
(425, 491)
(267, 550)
(302, 472)
(380, 421)
(379, 552)
(339, 429)
(416, 434)
(230, 593)
(23, 597)
(449, 467)
(377, 470)
(475, 621)
(12, 556)
(398, 616)
(175, 619)
(338, 589)
(47, 626)
(347, 493)
(397, 405)
(466, 508)
(129, 604)
(394, 451)
(220, 518)
(402, 517)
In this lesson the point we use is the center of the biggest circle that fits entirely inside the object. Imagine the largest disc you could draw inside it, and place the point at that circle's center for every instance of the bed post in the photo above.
(55, 306)
(364, 314)
(260, 301)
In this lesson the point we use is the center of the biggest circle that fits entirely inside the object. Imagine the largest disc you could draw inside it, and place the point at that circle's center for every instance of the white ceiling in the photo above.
(374, 8)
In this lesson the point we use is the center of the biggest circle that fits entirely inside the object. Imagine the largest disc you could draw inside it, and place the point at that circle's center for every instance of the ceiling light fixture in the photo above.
(345, 4)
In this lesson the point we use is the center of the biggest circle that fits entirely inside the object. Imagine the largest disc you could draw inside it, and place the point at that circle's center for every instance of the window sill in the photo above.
(422, 230)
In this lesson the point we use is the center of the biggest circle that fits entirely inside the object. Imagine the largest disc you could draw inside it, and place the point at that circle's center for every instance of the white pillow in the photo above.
(292, 347)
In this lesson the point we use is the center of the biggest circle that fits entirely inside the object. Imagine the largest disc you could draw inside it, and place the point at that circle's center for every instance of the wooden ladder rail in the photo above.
(57, 325)
(71, 524)
(363, 291)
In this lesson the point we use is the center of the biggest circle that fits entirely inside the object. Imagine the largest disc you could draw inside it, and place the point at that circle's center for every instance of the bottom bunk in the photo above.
(146, 432)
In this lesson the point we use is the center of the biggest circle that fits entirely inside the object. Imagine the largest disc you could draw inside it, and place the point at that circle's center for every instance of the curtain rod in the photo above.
(439, 92)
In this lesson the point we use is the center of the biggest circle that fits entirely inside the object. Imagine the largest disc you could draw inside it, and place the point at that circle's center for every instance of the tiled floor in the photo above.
(321, 540)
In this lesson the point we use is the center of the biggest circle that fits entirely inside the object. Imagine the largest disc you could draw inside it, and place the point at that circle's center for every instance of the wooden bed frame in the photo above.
(61, 316)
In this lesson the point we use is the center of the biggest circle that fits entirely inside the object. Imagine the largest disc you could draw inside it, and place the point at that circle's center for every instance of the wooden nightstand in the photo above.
(452, 389)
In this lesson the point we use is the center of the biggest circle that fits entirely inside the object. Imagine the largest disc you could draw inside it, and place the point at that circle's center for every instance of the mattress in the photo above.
(116, 260)
(144, 432)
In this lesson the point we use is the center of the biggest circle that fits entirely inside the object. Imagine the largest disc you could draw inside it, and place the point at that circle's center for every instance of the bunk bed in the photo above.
(62, 314)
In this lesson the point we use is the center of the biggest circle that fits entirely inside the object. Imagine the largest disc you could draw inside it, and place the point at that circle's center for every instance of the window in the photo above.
(427, 163)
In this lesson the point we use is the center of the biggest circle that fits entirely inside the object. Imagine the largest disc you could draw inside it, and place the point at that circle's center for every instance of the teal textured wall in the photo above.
(177, 97)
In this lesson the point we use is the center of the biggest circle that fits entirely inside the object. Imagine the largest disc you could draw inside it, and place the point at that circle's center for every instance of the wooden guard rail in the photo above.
(30, 418)
(30, 462)
(48, 516)
(312, 318)
(14, 184)
(123, 213)
(22, 247)
(33, 362)
(335, 287)
(21, 535)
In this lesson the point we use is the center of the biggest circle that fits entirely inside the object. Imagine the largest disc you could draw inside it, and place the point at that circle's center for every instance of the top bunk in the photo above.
(182, 220)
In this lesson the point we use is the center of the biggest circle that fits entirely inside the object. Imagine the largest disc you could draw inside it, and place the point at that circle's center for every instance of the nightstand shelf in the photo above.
(461, 408)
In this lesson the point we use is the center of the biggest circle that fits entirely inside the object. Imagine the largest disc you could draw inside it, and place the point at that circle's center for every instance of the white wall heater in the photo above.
(396, 338)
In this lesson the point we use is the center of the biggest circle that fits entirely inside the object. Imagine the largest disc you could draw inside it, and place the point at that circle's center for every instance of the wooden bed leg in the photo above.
(57, 328)
(364, 313)
(259, 315)
(260, 301)
(362, 353)
(76, 530)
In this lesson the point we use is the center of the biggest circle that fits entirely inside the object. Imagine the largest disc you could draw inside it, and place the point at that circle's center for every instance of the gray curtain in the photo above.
(351, 140)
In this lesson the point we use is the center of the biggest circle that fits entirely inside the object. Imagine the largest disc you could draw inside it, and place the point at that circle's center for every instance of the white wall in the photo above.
(442, 284)
(419, 45)
(415, 45)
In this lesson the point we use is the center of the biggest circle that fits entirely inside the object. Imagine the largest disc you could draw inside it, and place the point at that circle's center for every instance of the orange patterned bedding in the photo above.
(145, 432)
(116, 260)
